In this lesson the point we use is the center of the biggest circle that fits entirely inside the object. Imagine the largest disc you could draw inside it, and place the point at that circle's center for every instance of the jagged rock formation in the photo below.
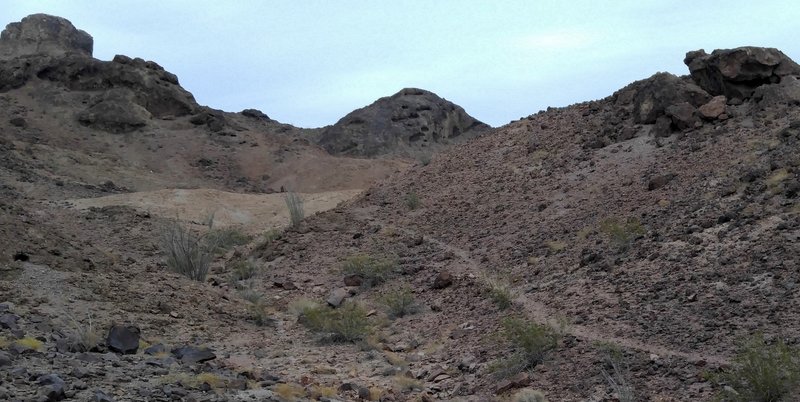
(123, 94)
(406, 123)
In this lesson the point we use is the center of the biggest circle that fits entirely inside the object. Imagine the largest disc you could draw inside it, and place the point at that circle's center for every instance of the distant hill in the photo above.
(409, 123)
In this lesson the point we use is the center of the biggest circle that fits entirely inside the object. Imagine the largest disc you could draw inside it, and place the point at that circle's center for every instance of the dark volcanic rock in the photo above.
(123, 339)
(403, 123)
(192, 354)
(50, 48)
(661, 91)
(43, 34)
(736, 73)
(53, 387)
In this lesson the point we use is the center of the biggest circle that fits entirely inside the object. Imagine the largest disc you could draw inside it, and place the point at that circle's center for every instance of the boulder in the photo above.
(787, 92)
(43, 34)
(192, 354)
(654, 95)
(337, 296)
(443, 280)
(736, 73)
(53, 387)
(404, 123)
(116, 112)
(683, 115)
(715, 107)
(123, 339)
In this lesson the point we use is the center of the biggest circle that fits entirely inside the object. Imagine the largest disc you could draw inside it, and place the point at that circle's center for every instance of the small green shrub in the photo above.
(762, 372)
(412, 201)
(243, 270)
(532, 343)
(615, 371)
(187, 253)
(622, 234)
(400, 303)
(529, 395)
(83, 337)
(295, 205)
(259, 315)
(348, 323)
(227, 238)
(373, 271)
(500, 292)
(250, 294)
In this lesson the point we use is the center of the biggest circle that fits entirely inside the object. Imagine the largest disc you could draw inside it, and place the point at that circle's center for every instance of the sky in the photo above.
(310, 62)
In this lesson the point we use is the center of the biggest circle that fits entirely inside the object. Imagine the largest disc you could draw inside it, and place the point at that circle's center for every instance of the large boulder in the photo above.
(404, 123)
(43, 34)
(654, 95)
(115, 112)
(736, 73)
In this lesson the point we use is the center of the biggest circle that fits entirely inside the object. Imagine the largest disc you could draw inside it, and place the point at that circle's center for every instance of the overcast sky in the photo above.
(309, 63)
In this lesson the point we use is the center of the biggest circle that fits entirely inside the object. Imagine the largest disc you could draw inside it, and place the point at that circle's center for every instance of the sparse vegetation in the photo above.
(412, 201)
(373, 271)
(408, 384)
(250, 294)
(615, 372)
(295, 205)
(289, 392)
(187, 253)
(226, 238)
(30, 343)
(532, 343)
(260, 315)
(556, 246)
(399, 303)
(762, 372)
(83, 337)
(622, 234)
(529, 395)
(319, 391)
(244, 269)
(348, 323)
(500, 292)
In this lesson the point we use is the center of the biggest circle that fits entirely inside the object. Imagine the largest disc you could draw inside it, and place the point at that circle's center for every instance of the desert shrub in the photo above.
(244, 269)
(500, 293)
(348, 323)
(29, 343)
(425, 159)
(83, 337)
(408, 384)
(529, 395)
(295, 205)
(615, 372)
(187, 253)
(250, 294)
(762, 372)
(622, 234)
(372, 270)
(226, 238)
(399, 303)
(532, 343)
(319, 392)
(412, 201)
(289, 392)
(259, 315)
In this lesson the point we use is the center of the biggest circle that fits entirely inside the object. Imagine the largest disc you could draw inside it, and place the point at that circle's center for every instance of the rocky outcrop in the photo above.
(43, 34)
(404, 123)
(736, 73)
(657, 93)
(125, 93)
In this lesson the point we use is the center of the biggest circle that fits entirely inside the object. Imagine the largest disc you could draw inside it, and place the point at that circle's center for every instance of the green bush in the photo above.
(227, 238)
(244, 269)
(412, 201)
(295, 205)
(615, 371)
(373, 271)
(762, 372)
(531, 342)
(187, 253)
(399, 303)
(622, 234)
(259, 314)
(348, 323)
(500, 292)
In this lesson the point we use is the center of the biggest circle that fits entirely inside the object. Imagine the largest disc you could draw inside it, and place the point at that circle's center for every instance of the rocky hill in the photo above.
(610, 250)
(411, 122)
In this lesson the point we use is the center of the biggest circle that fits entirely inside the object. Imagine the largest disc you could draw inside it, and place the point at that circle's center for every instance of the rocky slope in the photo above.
(662, 220)
(412, 122)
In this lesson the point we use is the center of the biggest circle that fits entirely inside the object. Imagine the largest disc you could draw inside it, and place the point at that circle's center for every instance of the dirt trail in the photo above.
(543, 314)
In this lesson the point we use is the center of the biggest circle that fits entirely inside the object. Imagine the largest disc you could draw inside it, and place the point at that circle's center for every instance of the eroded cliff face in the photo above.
(410, 122)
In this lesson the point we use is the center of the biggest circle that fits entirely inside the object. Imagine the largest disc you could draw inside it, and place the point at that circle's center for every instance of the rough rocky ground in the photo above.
(662, 219)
